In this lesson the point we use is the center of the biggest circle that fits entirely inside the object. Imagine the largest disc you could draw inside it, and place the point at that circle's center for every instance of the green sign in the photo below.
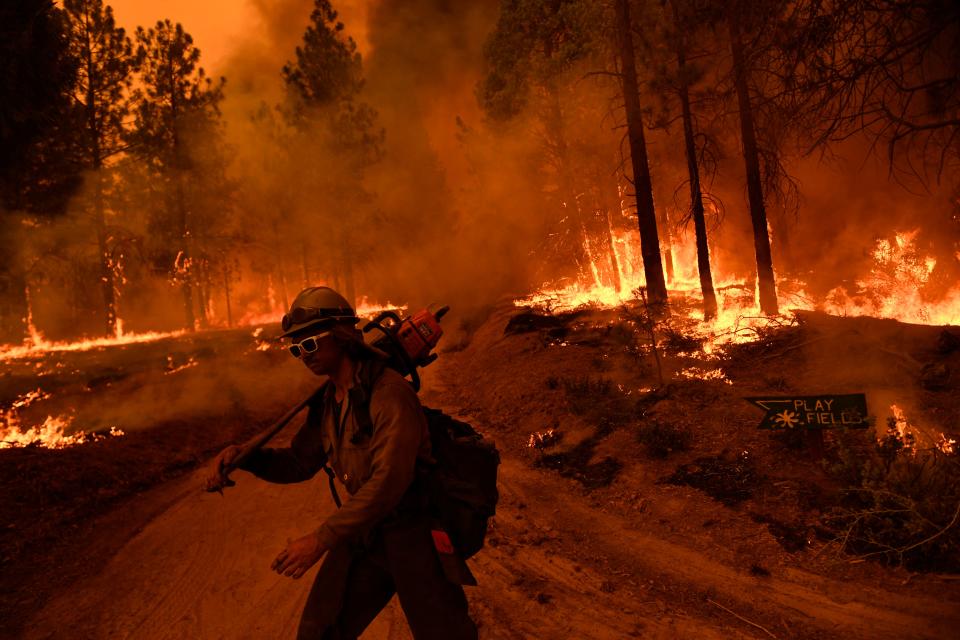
(813, 412)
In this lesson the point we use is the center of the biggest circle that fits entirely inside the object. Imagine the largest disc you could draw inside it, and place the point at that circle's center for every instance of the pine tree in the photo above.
(643, 188)
(105, 65)
(534, 45)
(324, 84)
(176, 104)
(737, 12)
(685, 20)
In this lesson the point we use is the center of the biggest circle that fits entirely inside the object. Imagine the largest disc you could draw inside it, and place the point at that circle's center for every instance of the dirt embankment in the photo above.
(591, 540)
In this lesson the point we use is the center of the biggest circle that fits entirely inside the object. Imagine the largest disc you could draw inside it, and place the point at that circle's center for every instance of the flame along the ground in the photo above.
(58, 431)
(894, 288)
(51, 433)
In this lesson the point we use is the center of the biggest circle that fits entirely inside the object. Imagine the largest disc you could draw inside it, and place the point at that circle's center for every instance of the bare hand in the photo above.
(219, 468)
(299, 556)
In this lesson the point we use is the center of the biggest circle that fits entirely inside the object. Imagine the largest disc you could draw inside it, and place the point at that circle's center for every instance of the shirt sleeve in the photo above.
(296, 463)
(398, 426)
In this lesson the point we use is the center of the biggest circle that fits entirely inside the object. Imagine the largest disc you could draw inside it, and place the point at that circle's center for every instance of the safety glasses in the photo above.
(307, 345)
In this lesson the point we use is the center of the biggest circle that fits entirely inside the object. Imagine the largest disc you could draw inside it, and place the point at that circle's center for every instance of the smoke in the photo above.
(457, 210)
(454, 216)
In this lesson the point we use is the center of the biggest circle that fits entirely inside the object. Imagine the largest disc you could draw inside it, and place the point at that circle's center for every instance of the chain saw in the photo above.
(408, 341)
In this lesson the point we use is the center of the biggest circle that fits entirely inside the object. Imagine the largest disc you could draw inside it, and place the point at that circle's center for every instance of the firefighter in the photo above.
(380, 542)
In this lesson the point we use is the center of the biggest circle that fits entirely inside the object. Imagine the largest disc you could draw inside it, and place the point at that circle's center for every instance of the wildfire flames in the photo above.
(36, 345)
(57, 431)
(52, 433)
(895, 288)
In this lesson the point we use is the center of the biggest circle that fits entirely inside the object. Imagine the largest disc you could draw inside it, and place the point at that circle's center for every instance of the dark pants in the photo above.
(355, 583)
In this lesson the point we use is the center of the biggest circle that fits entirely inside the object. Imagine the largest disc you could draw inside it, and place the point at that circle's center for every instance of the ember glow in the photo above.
(900, 429)
(52, 433)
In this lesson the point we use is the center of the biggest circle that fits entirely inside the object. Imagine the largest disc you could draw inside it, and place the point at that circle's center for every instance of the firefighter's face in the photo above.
(326, 359)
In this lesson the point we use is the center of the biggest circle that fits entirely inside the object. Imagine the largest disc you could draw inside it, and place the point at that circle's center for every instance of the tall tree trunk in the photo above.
(557, 138)
(203, 293)
(349, 288)
(13, 305)
(646, 216)
(283, 284)
(99, 219)
(696, 195)
(186, 285)
(306, 268)
(606, 208)
(663, 226)
(226, 293)
(758, 215)
(107, 285)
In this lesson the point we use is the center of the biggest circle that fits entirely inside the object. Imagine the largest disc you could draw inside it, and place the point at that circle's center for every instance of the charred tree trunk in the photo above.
(646, 216)
(13, 305)
(283, 284)
(696, 195)
(94, 133)
(758, 215)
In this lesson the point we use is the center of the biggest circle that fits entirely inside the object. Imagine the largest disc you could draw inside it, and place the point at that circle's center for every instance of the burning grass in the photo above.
(51, 433)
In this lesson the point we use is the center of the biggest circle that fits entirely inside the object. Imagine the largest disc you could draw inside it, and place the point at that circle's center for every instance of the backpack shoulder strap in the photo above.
(360, 395)
(316, 403)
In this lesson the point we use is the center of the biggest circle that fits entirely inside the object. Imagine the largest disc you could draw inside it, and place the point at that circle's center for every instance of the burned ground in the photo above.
(652, 511)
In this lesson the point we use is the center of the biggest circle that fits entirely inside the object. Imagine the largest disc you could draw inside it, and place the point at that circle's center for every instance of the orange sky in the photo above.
(216, 25)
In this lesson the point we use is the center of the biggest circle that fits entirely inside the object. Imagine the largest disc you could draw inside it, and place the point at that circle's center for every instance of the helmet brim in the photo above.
(305, 329)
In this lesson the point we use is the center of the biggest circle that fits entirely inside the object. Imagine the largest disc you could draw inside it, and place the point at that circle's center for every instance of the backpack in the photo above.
(461, 488)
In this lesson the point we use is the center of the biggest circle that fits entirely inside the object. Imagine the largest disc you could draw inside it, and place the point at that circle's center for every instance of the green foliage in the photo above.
(663, 438)
(105, 67)
(324, 85)
(534, 41)
(175, 99)
(328, 67)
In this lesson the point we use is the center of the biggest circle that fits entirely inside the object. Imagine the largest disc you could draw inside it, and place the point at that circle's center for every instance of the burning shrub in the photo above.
(662, 438)
(901, 503)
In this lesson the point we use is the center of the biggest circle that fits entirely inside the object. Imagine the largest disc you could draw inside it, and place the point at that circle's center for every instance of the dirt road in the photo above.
(555, 569)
